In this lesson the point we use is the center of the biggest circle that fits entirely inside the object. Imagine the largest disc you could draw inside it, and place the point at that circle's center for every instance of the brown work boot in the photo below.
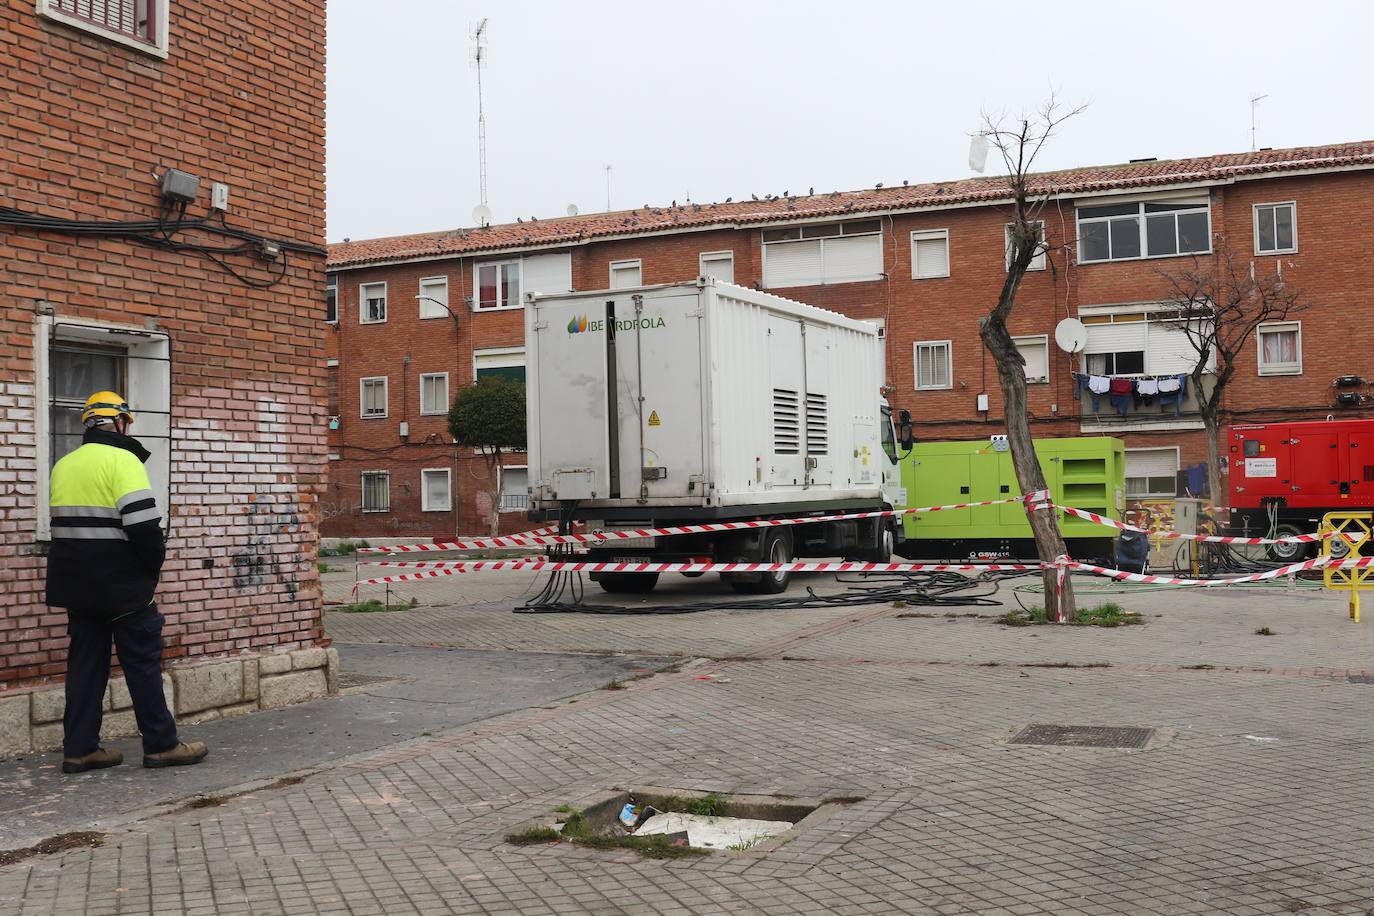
(184, 754)
(97, 759)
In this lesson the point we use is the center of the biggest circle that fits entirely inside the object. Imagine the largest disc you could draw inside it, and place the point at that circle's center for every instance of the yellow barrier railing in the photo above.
(1352, 537)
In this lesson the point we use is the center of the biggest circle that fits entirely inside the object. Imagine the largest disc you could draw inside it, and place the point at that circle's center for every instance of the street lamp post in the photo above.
(457, 468)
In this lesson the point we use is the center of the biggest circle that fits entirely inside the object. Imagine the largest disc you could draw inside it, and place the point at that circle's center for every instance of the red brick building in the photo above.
(925, 262)
(199, 303)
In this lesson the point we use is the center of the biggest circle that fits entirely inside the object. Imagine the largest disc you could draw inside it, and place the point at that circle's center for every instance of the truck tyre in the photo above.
(1288, 553)
(887, 541)
(776, 548)
(628, 583)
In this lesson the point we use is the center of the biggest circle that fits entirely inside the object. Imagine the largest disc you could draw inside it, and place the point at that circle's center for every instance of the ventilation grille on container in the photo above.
(786, 422)
(817, 425)
(1369, 473)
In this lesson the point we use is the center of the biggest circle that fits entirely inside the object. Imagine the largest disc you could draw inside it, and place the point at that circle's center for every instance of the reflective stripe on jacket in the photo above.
(107, 547)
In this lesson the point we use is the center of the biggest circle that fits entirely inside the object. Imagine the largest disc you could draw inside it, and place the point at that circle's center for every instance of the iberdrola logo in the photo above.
(577, 325)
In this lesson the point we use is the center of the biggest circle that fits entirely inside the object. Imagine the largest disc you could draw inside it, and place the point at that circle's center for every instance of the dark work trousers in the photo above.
(138, 642)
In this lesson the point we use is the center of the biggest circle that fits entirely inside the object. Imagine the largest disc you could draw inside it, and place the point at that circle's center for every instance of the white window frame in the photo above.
(504, 357)
(1044, 341)
(386, 397)
(1141, 225)
(148, 387)
(448, 490)
(822, 233)
(1178, 465)
(332, 286)
(362, 489)
(708, 256)
(501, 486)
(424, 303)
(1278, 327)
(156, 48)
(916, 363)
(433, 375)
(1037, 262)
(362, 303)
(625, 264)
(1255, 211)
(500, 285)
(928, 235)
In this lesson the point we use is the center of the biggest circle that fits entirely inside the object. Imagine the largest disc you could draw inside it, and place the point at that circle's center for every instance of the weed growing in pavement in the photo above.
(577, 831)
(373, 606)
(534, 836)
(708, 806)
(745, 845)
(1264, 631)
(1107, 614)
(613, 685)
(326, 568)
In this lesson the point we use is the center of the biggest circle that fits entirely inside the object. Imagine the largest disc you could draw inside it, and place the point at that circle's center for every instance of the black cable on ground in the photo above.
(916, 589)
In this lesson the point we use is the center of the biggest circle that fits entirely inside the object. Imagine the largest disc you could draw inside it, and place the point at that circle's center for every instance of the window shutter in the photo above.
(792, 264)
(720, 268)
(1151, 462)
(1115, 338)
(548, 273)
(848, 259)
(932, 257)
(1170, 351)
(1035, 352)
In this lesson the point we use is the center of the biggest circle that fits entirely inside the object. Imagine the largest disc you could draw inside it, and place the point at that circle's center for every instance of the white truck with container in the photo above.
(707, 402)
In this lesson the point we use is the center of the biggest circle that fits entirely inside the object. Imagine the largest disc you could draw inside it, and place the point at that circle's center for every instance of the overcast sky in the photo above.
(723, 99)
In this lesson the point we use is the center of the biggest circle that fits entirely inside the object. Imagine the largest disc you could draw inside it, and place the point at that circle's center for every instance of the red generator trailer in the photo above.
(1286, 476)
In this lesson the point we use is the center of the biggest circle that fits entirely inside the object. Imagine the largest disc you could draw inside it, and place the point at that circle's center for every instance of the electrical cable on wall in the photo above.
(159, 233)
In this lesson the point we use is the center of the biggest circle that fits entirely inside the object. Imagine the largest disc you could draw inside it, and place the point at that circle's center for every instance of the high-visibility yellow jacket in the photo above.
(107, 547)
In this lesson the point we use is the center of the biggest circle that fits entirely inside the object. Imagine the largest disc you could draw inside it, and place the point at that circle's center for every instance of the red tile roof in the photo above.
(573, 229)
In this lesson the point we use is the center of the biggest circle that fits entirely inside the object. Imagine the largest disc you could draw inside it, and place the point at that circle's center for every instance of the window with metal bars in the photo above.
(376, 491)
(135, 19)
(786, 422)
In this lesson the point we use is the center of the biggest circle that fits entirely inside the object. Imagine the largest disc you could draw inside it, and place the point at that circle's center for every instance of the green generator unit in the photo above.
(1086, 473)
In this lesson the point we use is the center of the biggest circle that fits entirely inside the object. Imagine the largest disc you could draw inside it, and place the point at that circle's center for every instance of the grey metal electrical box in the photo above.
(179, 185)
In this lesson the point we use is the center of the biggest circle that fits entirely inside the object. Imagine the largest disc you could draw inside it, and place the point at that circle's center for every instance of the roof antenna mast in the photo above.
(1254, 100)
(478, 60)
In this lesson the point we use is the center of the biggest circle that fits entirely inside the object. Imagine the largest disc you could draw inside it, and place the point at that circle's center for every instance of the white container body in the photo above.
(706, 395)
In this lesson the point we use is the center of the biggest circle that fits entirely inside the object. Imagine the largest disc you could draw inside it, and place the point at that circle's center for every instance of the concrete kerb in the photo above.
(31, 719)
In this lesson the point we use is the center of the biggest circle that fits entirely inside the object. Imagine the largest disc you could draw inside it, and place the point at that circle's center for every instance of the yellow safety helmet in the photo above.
(105, 405)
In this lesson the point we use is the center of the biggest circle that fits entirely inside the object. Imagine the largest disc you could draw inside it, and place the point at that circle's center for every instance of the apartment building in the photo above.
(161, 234)
(414, 317)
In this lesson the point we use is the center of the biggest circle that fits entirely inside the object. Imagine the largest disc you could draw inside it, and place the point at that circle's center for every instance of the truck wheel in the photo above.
(1291, 552)
(887, 541)
(628, 583)
(777, 548)
(693, 575)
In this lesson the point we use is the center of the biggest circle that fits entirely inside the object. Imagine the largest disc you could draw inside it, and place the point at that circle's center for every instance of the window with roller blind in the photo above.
(1035, 350)
(435, 490)
(850, 252)
(934, 368)
(929, 254)
(1151, 472)
(1280, 348)
(719, 265)
(433, 297)
(1138, 343)
(626, 274)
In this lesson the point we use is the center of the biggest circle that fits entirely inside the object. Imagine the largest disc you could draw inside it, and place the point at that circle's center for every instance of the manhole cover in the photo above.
(1361, 678)
(347, 680)
(1083, 736)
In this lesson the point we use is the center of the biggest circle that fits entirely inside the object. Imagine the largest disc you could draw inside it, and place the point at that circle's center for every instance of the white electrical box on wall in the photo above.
(983, 403)
(219, 196)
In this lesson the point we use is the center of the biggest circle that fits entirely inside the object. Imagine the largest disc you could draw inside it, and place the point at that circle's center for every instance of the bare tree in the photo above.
(1221, 302)
(1019, 143)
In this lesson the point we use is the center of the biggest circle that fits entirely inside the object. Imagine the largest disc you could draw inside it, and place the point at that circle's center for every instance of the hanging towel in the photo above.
(1099, 384)
(1171, 384)
(1147, 387)
(1122, 386)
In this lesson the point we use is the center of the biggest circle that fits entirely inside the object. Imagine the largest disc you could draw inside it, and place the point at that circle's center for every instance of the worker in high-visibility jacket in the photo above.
(106, 557)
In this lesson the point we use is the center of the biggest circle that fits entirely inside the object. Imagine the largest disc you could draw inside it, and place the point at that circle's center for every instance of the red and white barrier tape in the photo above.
(1209, 538)
(437, 569)
(532, 539)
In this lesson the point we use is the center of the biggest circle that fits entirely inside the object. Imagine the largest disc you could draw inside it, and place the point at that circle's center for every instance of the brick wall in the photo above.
(83, 124)
(1328, 268)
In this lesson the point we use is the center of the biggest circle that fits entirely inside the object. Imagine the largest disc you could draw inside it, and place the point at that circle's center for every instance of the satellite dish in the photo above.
(1071, 335)
(481, 215)
(572, 209)
(978, 153)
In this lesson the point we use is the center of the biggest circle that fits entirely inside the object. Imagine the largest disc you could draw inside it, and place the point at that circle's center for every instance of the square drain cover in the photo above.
(348, 679)
(1083, 736)
(1361, 678)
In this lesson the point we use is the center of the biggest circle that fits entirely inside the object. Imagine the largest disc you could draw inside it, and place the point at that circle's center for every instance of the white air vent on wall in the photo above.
(817, 425)
(786, 422)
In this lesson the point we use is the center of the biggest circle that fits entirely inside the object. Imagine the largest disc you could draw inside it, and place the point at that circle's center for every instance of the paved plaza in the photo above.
(1252, 796)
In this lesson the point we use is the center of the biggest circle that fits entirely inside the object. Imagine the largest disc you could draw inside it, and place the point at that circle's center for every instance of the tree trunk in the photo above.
(1213, 435)
(1049, 543)
(494, 491)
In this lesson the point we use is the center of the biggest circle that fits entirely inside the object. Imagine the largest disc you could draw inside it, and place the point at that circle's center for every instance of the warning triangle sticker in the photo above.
(653, 418)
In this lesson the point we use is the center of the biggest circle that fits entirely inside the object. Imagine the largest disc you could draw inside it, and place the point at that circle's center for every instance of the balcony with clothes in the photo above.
(1135, 371)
